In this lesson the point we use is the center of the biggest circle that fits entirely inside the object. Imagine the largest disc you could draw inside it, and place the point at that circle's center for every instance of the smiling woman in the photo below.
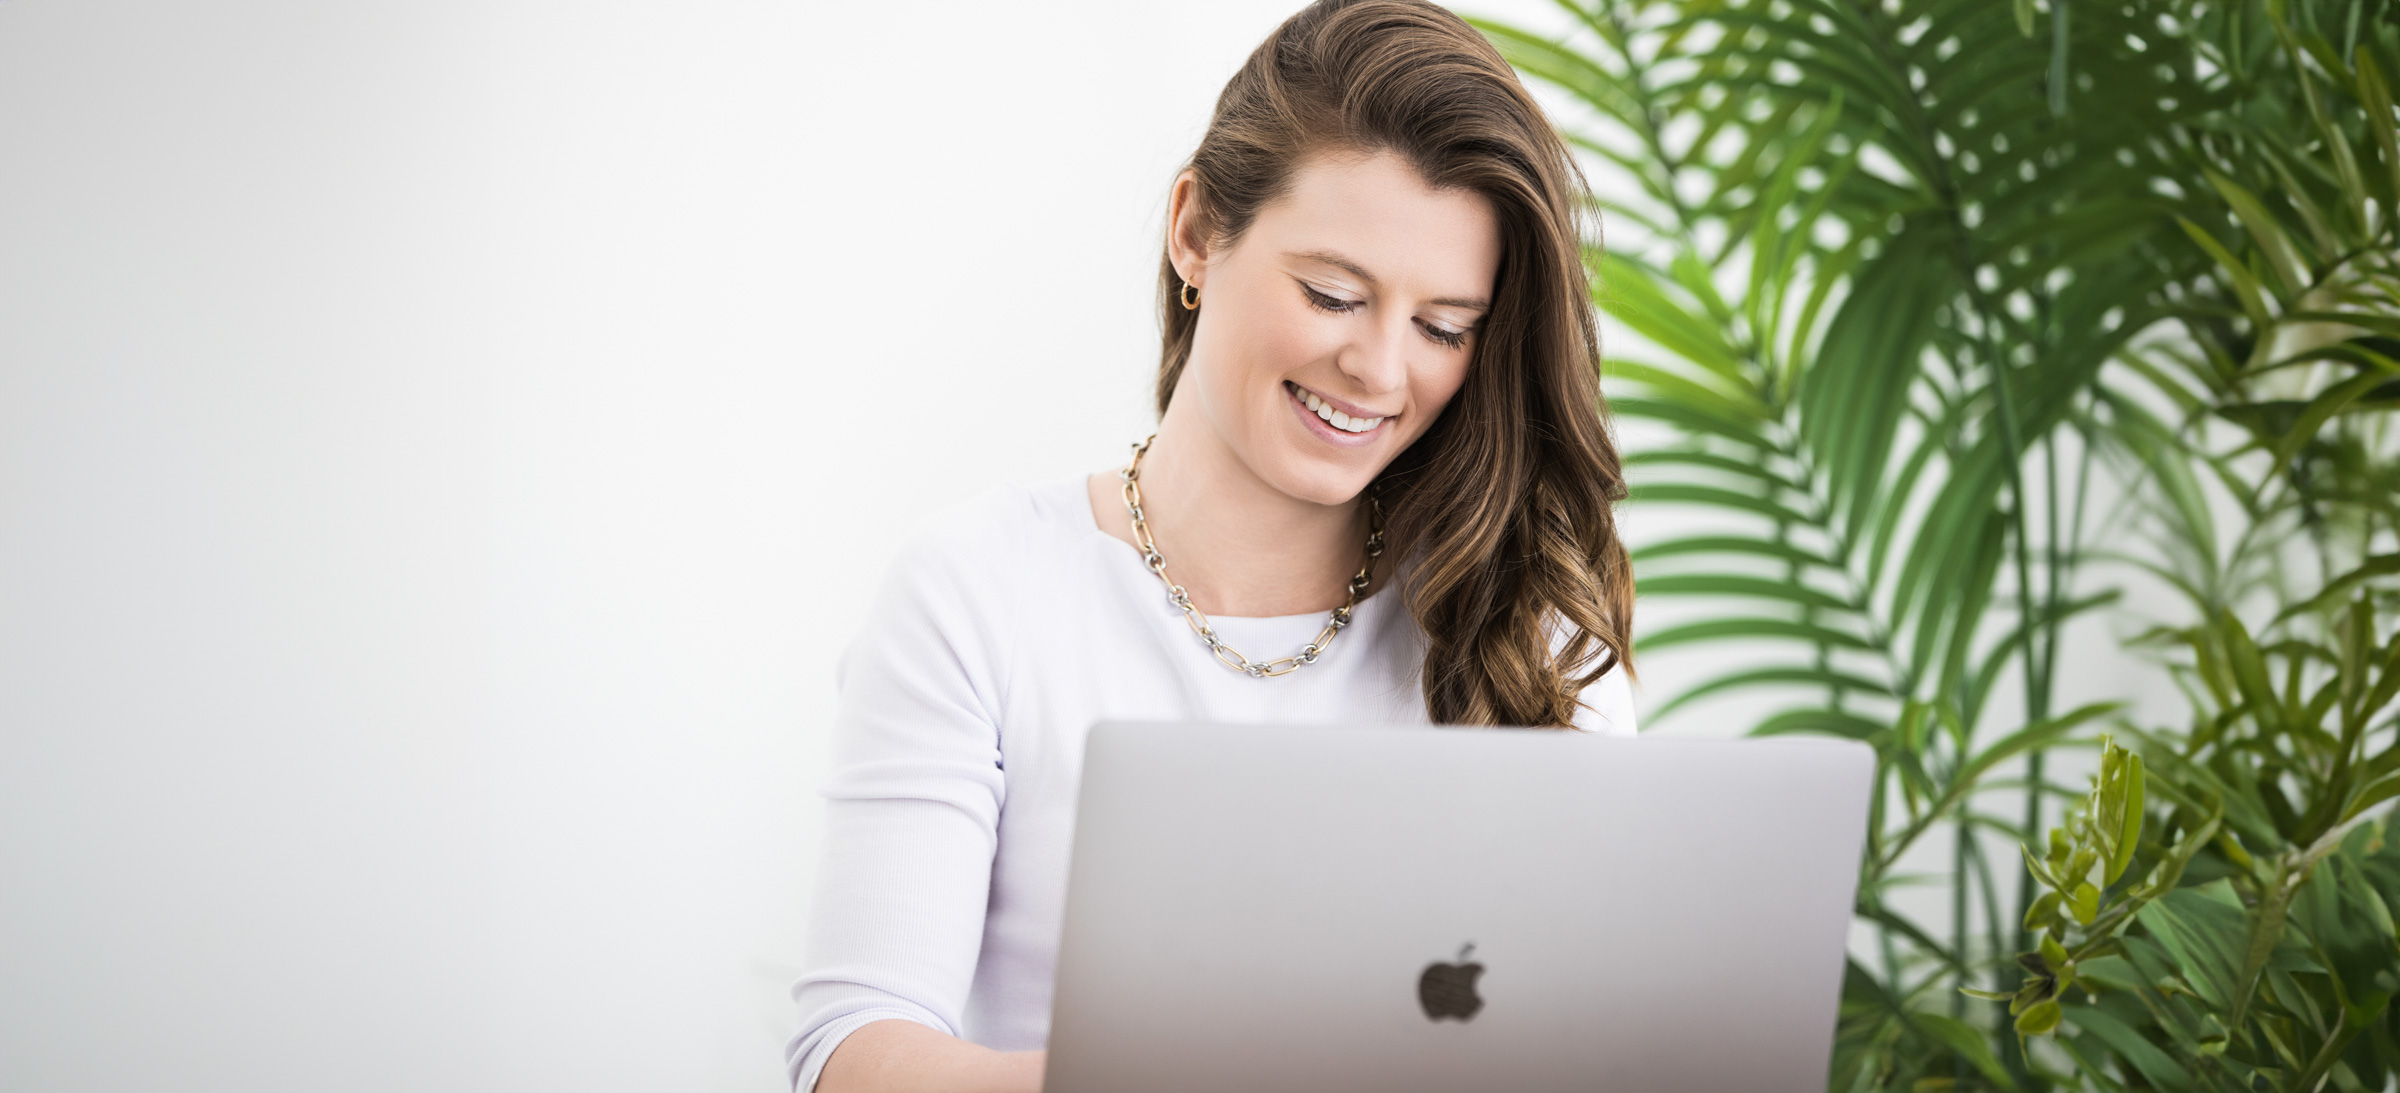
(1381, 470)
(1314, 365)
(1313, 371)
(1381, 164)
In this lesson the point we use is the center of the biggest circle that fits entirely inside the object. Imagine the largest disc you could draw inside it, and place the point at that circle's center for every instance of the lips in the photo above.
(1332, 416)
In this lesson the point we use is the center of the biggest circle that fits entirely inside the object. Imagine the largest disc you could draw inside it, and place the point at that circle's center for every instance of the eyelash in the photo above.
(1451, 339)
(1322, 302)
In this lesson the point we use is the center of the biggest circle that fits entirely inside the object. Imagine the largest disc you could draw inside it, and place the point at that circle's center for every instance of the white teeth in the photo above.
(1333, 417)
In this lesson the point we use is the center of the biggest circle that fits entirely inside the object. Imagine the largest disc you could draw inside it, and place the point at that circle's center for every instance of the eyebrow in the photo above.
(1332, 258)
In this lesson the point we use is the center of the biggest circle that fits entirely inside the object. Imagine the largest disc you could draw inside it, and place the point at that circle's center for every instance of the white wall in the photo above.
(443, 447)
(244, 544)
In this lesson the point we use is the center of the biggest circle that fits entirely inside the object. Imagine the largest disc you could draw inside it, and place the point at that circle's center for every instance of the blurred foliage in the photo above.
(1953, 311)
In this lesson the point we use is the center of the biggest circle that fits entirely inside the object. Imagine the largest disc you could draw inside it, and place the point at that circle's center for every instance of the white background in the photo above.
(443, 448)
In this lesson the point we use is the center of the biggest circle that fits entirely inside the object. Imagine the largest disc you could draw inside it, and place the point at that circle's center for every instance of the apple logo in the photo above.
(1448, 990)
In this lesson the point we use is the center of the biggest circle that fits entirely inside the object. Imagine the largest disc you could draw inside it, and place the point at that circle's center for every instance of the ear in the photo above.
(1187, 230)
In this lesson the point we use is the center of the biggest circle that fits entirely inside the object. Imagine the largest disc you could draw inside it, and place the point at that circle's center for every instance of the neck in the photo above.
(1240, 546)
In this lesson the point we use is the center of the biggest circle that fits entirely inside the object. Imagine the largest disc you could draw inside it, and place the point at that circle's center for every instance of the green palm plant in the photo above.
(1917, 286)
(2252, 945)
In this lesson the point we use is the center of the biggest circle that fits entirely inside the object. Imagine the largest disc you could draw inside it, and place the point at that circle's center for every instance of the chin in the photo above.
(1320, 480)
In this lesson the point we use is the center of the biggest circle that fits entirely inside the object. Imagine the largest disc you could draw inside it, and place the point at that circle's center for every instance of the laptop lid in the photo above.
(1399, 909)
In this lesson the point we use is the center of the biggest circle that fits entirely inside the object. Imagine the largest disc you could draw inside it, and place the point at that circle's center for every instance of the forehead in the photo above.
(1377, 210)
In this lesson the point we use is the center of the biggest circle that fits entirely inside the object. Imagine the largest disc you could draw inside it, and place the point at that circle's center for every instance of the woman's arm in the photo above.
(911, 821)
(906, 1057)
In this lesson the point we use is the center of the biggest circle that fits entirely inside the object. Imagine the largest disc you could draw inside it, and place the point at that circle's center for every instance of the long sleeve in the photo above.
(1607, 702)
(912, 815)
(1608, 705)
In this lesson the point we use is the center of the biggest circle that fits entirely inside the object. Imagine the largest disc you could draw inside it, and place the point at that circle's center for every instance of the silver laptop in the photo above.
(1276, 908)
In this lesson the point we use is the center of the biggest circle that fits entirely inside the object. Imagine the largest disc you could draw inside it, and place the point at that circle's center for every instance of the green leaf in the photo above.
(2376, 96)
(1892, 507)
(2347, 920)
(1962, 518)
(2130, 1045)
(2386, 325)
(2121, 814)
(1853, 398)
(2043, 912)
(2038, 735)
(2338, 589)
(1830, 272)
(2108, 973)
(2320, 229)
(2084, 903)
(1631, 293)
(2337, 146)
(1562, 66)
(2245, 286)
(1761, 677)
(1738, 629)
(2054, 956)
(2047, 870)
(1750, 468)
(1693, 419)
(1962, 783)
(2169, 873)
(2269, 236)
(2250, 671)
(2206, 931)
(1910, 930)
(1730, 544)
(2039, 1018)
(1736, 586)
(1693, 277)
(1969, 1044)
(2331, 401)
(1821, 723)
(2372, 794)
(1705, 393)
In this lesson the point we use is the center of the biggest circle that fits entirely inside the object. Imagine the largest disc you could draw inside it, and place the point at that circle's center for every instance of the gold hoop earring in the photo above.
(1190, 295)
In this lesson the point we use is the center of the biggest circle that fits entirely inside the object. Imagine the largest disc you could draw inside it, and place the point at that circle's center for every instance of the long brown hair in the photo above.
(1503, 508)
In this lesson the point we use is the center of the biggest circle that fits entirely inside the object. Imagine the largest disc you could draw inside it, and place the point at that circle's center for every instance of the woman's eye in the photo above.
(1449, 338)
(1441, 335)
(1334, 304)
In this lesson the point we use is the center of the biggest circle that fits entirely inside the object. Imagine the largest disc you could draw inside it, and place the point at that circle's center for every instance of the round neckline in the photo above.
(1091, 525)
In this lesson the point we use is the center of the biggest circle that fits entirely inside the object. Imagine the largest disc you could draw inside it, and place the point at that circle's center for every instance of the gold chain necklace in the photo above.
(1131, 478)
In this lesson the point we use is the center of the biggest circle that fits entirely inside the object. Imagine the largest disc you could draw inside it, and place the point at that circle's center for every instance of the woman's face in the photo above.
(1334, 331)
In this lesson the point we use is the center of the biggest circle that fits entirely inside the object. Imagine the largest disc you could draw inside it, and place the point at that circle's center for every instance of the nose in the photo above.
(1378, 361)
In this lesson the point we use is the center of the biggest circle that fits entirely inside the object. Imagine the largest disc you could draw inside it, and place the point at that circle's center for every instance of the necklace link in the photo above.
(1130, 486)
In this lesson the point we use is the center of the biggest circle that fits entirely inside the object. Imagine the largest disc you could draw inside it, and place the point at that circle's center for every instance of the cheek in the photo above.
(1432, 384)
(1274, 341)
(1260, 344)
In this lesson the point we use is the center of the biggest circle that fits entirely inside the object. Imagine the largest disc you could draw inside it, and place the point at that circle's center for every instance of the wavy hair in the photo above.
(1503, 510)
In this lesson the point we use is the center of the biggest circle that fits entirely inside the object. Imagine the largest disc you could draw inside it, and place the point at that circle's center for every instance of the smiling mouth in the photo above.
(1330, 416)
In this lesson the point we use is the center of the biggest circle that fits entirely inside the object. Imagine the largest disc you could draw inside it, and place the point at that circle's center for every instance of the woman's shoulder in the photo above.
(1009, 530)
(971, 581)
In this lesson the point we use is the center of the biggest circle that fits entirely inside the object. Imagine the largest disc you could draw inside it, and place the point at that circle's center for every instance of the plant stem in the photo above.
(1995, 928)
(1960, 878)
(2058, 58)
